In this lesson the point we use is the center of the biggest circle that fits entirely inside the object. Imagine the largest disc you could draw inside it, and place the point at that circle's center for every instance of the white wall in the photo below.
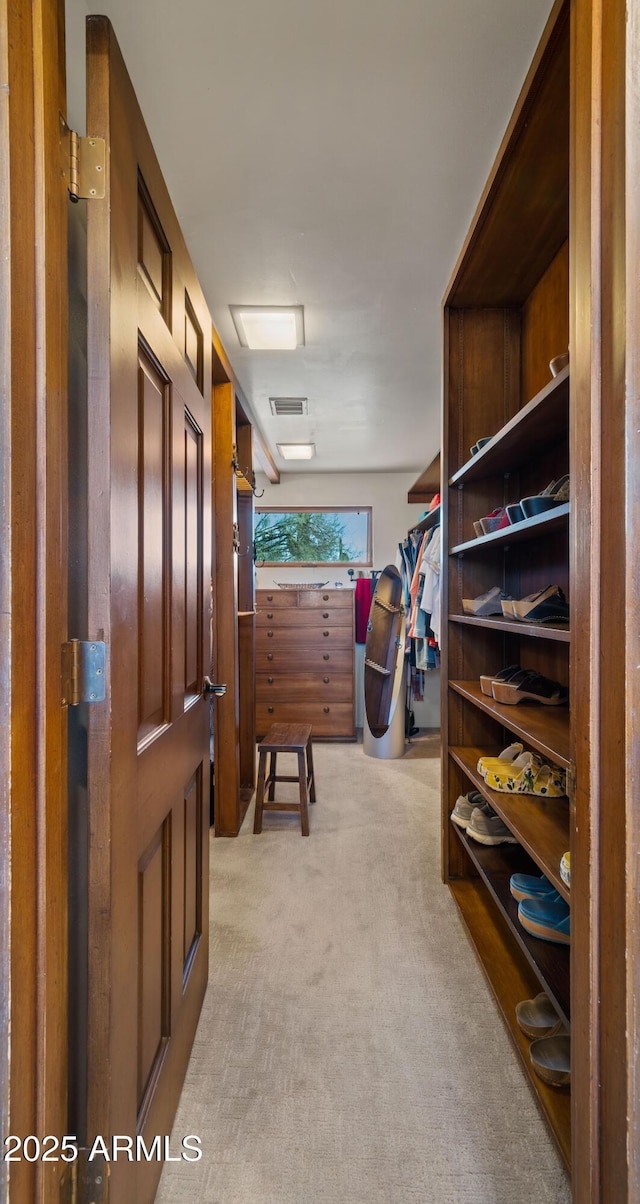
(392, 517)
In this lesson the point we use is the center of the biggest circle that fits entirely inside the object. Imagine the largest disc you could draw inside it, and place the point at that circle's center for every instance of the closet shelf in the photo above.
(529, 528)
(511, 979)
(544, 728)
(540, 825)
(542, 421)
(549, 962)
(540, 631)
(244, 614)
(430, 520)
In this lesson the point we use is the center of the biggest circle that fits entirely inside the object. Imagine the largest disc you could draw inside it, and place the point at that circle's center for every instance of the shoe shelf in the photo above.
(540, 825)
(511, 979)
(549, 962)
(545, 728)
(540, 631)
(430, 520)
(543, 420)
(529, 528)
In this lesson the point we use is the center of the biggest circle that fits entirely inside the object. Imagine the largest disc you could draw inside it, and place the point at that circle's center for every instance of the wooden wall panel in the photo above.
(192, 829)
(193, 555)
(153, 550)
(545, 325)
(154, 899)
(154, 253)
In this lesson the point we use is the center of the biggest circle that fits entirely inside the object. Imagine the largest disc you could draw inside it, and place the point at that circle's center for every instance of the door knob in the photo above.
(210, 687)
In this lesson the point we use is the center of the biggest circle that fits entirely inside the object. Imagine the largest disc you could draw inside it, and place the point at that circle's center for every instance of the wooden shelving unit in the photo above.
(506, 315)
(511, 978)
(234, 632)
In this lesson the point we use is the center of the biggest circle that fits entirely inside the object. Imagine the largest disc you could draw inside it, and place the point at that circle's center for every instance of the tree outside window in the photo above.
(335, 535)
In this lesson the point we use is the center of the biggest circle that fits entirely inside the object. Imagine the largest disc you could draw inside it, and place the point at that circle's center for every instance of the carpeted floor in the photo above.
(349, 1051)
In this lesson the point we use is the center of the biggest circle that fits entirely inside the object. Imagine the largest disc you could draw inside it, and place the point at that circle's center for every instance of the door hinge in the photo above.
(85, 1182)
(83, 672)
(83, 164)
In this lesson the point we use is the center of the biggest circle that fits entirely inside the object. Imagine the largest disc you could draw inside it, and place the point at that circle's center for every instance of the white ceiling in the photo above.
(330, 153)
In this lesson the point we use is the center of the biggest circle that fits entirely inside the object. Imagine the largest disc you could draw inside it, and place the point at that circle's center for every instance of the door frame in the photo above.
(33, 572)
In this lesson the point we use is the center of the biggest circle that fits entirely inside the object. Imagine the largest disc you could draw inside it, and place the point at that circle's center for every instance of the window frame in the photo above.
(320, 509)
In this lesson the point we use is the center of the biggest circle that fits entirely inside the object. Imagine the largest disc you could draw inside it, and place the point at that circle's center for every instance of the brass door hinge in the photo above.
(85, 1182)
(83, 164)
(83, 672)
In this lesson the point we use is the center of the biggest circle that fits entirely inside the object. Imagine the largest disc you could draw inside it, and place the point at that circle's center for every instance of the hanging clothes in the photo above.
(364, 594)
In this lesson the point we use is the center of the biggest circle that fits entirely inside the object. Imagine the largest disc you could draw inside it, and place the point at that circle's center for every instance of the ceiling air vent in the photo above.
(288, 407)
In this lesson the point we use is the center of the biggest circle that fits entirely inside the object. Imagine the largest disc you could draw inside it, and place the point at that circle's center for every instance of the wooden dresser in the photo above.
(305, 650)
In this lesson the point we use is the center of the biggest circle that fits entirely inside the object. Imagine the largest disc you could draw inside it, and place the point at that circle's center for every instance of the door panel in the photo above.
(149, 573)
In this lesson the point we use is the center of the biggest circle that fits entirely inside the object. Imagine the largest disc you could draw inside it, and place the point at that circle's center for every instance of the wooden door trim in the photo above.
(33, 625)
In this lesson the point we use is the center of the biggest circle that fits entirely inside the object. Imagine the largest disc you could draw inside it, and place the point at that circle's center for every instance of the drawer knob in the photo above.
(325, 597)
(270, 614)
(269, 597)
(270, 710)
(325, 614)
(325, 634)
(269, 635)
(269, 656)
(270, 680)
(326, 710)
(326, 680)
(325, 656)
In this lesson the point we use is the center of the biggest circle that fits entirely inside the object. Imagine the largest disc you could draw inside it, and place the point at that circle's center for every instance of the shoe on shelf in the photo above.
(485, 604)
(555, 494)
(487, 828)
(565, 869)
(515, 512)
(480, 444)
(551, 1059)
(477, 526)
(549, 920)
(547, 606)
(530, 886)
(507, 674)
(551, 783)
(465, 805)
(504, 758)
(529, 686)
(495, 521)
(522, 777)
(538, 1017)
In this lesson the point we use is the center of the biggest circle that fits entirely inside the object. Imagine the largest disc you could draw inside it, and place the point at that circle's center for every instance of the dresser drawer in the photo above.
(293, 638)
(304, 687)
(305, 660)
(274, 617)
(328, 719)
(282, 599)
(313, 599)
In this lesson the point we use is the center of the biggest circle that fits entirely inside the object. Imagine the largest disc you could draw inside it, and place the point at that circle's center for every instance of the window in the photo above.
(301, 535)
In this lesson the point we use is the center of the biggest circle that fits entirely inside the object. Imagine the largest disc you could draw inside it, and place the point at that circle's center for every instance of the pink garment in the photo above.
(364, 594)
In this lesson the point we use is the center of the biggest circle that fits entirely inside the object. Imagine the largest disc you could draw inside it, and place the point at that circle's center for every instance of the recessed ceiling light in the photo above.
(269, 327)
(297, 451)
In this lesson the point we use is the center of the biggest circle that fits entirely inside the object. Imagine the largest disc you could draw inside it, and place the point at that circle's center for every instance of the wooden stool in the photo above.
(289, 738)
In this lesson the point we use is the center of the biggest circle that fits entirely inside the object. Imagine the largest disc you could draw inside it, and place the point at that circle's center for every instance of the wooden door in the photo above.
(149, 483)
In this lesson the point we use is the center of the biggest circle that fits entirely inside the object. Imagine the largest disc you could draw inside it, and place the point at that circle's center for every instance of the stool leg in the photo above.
(257, 820)
(312, 776)
(272, 773)
(304, 813)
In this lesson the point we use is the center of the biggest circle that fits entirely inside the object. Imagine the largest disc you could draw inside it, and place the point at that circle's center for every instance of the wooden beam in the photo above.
(222, 374)
(427, 484)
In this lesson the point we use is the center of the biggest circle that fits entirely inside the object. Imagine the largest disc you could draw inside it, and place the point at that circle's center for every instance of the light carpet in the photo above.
(349, 1051)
